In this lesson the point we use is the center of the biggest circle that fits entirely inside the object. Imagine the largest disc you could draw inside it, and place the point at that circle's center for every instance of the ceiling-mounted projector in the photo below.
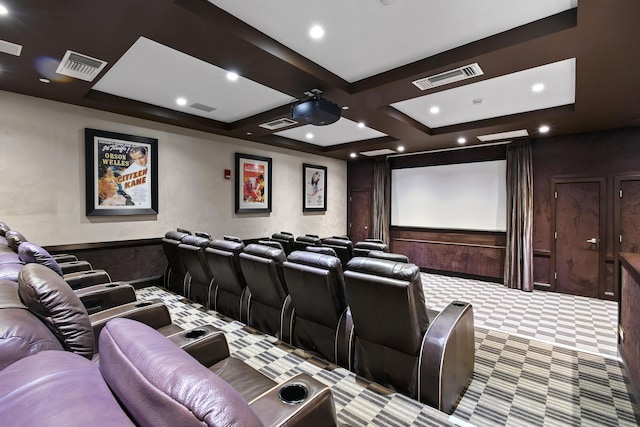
(316, 111)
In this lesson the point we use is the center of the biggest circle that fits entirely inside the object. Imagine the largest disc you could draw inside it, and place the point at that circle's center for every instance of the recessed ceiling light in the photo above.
(353, 155)
(249, 133)
(181, 102)
(309, 135)
(3, 10)
(345, 107)
(232, 76)
(316, 32)
(434, 110)
(360, 125)
(401, 148)
(462, 140)
(43, 80)
(543, 129)
(538, 87)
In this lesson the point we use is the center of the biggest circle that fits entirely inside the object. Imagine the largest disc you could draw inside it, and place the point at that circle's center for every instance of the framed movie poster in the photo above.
(122, 174)
(314, 188)
(253, 184)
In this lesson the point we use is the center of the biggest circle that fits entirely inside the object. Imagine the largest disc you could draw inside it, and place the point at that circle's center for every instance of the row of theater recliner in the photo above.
(364, 311)
(129, 365)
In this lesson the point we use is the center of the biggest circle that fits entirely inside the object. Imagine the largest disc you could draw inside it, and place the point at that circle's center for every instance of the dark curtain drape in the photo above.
(381, 185)
(518, 266)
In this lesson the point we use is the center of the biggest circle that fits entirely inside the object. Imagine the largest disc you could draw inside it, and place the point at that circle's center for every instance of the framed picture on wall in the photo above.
(314, 188)
(253, 184)
(121, 174)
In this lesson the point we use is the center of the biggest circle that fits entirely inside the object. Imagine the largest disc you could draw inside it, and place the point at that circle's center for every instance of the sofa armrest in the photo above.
(317, 409)
(107, 295)
(74, 266)
(447, 357)
(152, 313)
(64, 257)
(344, 342)
(207, 344)
(82, 279)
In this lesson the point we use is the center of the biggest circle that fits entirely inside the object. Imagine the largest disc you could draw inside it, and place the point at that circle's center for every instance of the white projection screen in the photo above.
(464, 196)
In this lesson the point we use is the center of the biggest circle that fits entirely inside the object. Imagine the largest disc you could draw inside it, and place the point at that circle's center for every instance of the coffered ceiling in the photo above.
(564, 64)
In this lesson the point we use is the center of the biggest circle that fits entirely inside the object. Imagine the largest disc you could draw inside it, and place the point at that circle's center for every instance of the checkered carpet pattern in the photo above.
(522, 376)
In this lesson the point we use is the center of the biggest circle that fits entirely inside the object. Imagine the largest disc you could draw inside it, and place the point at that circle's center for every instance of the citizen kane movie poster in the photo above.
(124, 174)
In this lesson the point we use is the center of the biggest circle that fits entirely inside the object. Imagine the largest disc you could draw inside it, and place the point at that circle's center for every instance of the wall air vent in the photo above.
(381, 152)
(80, 66)
(278, 123)
(450, 76)
(202, 107)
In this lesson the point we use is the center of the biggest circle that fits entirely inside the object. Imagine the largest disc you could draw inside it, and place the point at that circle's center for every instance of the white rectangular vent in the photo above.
(10, 48)
(278, 124)
(381, 152)
(202, 107)
(504, 135)
(80, 66)
(450, 76)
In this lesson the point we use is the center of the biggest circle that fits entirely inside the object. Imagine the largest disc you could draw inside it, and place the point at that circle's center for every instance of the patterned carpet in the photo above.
(528, 370)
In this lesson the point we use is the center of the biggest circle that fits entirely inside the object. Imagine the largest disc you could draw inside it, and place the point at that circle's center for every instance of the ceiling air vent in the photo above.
(450, 76)
(202, 107)
(278, 124)
(80, 66)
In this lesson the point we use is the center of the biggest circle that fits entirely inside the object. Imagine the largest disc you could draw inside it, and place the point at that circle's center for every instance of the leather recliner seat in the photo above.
(286, 240)
(343, 248)
(301, 242)
(269, 304)
(426, 355)
(362, 248)
(199, 279)
(322, 321)
(176, 272)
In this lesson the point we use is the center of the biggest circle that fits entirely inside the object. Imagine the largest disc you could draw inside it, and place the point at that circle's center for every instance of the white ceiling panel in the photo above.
(497, 97)
(156, 74)
(340, 132)
(366, 37)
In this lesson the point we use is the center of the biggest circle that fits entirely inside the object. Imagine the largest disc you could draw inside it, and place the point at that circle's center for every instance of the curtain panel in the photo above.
(518, 268)
(381, 196)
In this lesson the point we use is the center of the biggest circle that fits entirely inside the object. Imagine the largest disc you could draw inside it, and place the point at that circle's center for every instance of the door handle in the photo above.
(593, 240)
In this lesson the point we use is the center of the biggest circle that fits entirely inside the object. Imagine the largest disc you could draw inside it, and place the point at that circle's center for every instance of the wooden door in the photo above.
(578, 217)
(626, 236)
(359, 215)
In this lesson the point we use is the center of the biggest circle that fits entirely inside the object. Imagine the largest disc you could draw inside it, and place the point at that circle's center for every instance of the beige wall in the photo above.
(42, 173)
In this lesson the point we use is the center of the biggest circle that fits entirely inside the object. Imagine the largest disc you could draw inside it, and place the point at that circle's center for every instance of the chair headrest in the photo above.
(322, 250)
(371, 246)
(14, 238)
(227, 245)
(50, 298)
(333, 241)
(271, 243)
(315, 259)
(388, 256)
(201, 242)
(266, 252)
(233, 239)
(308, 239)
(32, 253)
(385, 268)
(175, 235)
(146, 371)
(282, 236)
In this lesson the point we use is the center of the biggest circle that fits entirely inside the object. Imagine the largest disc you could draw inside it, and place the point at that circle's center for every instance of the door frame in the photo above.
(602, 228)
(617, 187)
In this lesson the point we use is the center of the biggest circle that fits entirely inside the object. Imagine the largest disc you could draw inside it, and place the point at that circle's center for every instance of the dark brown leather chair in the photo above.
(322, 321)
(301, 242)
(398, 343)
(343, 248)
(362, 248)
(390, 256)
(176, 272)
(269, 304)
(231, 295)
(199, 279)
(286, 240)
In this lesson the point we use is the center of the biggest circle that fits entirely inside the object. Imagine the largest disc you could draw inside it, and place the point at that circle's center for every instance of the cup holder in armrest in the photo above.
(196, 333)
(458, 303)
(142, 304)
(112, 285)
(292, 394)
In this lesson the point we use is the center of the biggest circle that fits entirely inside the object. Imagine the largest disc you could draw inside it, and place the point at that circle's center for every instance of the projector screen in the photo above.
(464, 196)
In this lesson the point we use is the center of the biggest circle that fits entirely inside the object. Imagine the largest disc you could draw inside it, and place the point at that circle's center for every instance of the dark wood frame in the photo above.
(310, 207)
(91, 139)
(265, 207)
